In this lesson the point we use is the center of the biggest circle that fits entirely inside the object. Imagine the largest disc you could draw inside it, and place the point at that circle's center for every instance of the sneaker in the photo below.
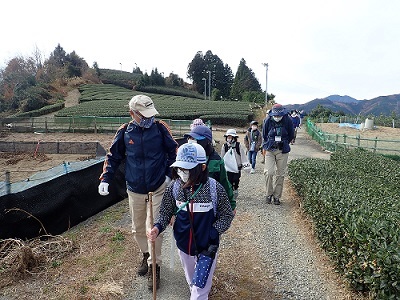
(143, 268)
(276, 201)
(150, 277)
(252, 171)
(269, 199)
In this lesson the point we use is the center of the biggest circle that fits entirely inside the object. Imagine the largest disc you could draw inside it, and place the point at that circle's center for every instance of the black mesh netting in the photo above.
(56, 205)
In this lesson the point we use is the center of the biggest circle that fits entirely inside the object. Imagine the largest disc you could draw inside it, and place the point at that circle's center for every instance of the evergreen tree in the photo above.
(210, 66)
(245, 81)
(197, 71)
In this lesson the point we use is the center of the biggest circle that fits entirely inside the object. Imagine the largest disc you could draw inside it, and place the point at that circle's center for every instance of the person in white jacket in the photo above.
(235, 159)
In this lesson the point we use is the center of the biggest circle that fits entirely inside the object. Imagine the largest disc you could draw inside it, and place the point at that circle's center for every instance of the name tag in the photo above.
(278, 138)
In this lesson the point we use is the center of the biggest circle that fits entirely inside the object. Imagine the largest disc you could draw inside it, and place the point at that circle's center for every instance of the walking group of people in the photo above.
(192, 186)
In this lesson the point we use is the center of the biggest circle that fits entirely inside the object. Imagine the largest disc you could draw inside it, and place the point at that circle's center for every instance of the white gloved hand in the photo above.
(103, 188)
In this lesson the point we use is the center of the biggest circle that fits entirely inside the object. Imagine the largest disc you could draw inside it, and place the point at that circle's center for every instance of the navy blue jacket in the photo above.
(149, 153)
(207, 225)
(271, 129)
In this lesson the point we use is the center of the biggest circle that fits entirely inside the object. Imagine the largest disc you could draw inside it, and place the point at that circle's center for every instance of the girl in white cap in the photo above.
(235, 159)
(202, 213)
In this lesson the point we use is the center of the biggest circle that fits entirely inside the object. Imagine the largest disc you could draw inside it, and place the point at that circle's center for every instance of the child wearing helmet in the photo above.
(235, 159)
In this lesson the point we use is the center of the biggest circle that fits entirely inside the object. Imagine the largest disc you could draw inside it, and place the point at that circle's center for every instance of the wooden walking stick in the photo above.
(153, 248)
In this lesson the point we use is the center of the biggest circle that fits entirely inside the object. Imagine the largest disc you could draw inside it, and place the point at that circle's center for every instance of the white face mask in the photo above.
(277, 119)
(253, 127)
(192, 141)
(184, 175)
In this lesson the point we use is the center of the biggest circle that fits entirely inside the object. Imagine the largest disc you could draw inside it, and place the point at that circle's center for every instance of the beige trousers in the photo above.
(274, 170)
(139, 208)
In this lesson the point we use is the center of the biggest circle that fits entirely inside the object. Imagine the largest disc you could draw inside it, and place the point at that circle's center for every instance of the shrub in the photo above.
(354, 202)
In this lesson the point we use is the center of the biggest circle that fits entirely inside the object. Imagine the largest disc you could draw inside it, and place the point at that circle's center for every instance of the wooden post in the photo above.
(8, 184)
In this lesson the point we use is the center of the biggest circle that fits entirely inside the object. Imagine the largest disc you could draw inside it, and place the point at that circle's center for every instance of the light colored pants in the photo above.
(189, 264)
(140, 214)
(275, 165)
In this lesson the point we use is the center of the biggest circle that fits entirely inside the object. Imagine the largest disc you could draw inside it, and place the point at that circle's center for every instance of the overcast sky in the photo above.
(314, 48)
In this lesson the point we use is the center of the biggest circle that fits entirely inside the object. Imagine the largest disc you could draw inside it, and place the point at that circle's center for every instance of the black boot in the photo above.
(143, 267)
(276, 201)
(150, 277)
(269, 199)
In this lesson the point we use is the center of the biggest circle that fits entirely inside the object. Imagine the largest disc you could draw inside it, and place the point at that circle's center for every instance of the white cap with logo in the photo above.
(144, 105)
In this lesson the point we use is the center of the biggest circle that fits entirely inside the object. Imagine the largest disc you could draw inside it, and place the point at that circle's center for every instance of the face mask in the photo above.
(184, 175)
(277, 119)
(253, 127)
(229, 140)
(146, 122)
(192, 141)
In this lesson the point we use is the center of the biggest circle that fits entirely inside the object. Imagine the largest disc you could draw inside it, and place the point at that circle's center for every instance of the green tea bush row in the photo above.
(39, 112)
(354, 201)
(111, 101)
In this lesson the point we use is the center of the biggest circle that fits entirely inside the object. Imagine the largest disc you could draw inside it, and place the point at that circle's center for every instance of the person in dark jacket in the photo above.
(294, 115)
(202, 135)
(277, 132)
(202, 211)
(148, 149)
(253, 141)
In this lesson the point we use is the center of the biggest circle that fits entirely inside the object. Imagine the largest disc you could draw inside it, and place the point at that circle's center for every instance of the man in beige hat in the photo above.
(149, 150)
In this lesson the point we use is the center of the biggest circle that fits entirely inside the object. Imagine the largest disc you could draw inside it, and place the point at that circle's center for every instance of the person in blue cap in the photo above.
(202, 213)
(277, 132)
(202, 135)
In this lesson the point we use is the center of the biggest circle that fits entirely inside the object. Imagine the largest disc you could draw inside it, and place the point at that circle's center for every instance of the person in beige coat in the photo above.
(234, 158)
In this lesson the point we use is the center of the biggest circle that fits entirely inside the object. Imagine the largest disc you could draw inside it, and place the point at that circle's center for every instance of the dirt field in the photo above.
(380, 132)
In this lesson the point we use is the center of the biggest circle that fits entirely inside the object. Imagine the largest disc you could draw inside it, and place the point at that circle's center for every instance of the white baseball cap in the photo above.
(189, 155)
(144, 105)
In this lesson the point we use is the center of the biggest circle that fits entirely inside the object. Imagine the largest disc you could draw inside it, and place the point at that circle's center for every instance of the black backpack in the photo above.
(236, 146)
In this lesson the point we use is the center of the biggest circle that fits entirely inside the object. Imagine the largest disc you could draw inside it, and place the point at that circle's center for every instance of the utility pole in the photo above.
(209, 85)
(205, 88)
(266, 82)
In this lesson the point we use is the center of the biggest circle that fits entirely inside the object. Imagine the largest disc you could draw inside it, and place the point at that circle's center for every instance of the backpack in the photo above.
(236, 146)
(213, 192)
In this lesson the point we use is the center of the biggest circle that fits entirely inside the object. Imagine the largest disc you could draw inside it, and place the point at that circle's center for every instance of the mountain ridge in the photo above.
(382, 105)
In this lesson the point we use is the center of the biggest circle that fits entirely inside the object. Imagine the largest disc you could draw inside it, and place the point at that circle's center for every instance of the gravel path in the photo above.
(266, 254)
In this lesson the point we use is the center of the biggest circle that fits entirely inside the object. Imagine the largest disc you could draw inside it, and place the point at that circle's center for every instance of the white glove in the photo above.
(103, 188)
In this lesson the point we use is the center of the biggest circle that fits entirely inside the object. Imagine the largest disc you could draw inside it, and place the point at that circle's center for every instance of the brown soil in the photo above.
(380, 132)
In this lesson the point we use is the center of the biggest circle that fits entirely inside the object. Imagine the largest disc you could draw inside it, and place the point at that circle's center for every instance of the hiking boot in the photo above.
(252, 171)
(235, 194)
(276, 201)
(143, 268)
(269, 199)
(150, 277)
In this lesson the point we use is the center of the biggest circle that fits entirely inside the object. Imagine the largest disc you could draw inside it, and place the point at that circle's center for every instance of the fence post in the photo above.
(336, 141)
(8, 184)
(45, 125)
(376, 144)
(358, 141)
(95, 125)
(344, 141)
